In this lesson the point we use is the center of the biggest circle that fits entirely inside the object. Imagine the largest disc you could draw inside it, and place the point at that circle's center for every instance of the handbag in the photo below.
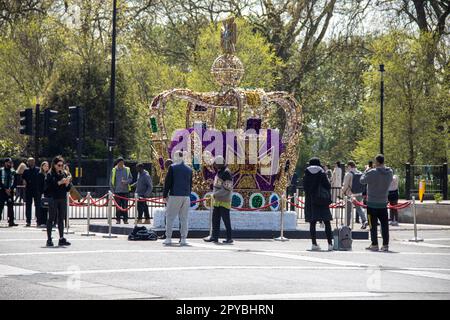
(75, 194)
(45, 202)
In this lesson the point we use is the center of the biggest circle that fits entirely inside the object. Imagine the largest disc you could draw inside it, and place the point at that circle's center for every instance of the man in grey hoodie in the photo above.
(378, 180)
(144, 188)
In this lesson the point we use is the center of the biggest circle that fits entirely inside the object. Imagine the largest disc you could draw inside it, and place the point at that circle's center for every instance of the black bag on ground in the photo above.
(142, 234)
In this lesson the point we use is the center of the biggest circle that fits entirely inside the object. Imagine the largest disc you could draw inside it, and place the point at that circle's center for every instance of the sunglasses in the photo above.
(59, 165)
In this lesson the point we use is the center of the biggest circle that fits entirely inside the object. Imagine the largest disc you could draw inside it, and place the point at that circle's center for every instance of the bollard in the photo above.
(297, 211)
(136, 198)
(415, 239)
(110, 216)
(211, 215)
(283, 204)
(67, 215)
(89, 199)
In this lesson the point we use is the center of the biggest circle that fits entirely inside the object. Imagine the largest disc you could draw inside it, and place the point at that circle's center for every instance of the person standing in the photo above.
(378, 181)
(57, 185)
(20, 188)
(393, 200)
(315, 180)
(176, 193)
(42, 191)
(120, 184)
(336, 182)
(7, 185)
(222, 192)
(144, 188)
(353, 188)
(31, 177)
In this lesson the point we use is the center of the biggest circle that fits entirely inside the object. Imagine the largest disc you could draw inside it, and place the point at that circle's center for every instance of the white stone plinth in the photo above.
(240, 220)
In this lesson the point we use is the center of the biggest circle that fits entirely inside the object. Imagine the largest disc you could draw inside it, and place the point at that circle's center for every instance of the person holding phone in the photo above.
(57, 185)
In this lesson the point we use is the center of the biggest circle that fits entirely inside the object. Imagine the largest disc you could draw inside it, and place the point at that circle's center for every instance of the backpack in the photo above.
(322, 197)
(342, 238)
(357, 186)
(142, 234)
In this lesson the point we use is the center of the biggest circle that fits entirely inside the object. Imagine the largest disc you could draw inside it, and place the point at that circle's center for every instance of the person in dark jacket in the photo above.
(144, 186)
(45, 167)
(57, 186)
(31, 177)
(315, 176)
(7, 185)
(177, 191)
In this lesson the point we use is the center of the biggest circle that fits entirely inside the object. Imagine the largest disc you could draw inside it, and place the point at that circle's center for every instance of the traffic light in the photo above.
(50, 122)
(76, 121)
(26, 121)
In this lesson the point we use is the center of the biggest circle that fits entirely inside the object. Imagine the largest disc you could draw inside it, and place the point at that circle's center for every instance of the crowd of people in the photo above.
(376, 187)
(47, 186)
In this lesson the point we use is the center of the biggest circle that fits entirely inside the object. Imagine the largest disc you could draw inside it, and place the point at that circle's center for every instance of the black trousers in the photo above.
(44, 215)
(142, 208)
(312, 231)
(29, 197)
(224, 214)
(9, 200)
(123, 203)
(57, 212)
(373, 215)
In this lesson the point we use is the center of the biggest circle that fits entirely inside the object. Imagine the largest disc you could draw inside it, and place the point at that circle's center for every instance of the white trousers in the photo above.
(177, 206)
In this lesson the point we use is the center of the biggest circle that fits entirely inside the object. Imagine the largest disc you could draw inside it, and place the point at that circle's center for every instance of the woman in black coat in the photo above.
(314, 212)
(57, 185)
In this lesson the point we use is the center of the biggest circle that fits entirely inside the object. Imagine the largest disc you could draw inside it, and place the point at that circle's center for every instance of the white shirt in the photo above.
(394, 183)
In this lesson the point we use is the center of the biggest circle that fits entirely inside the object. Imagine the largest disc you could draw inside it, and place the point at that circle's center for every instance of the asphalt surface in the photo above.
(99, 268)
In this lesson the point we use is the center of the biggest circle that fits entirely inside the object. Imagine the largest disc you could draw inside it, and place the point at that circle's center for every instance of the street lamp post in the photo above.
(112, 99)
(381, 108)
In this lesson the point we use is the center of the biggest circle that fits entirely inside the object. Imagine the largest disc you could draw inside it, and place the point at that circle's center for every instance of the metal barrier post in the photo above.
(110, 198)
(211, 215)
(136, 198)
(283, 204)
(297, 212)
(67, 215)
(89, 199)
(415, 239)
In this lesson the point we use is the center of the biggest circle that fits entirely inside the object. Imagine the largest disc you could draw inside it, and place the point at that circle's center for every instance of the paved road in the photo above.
(98, 268)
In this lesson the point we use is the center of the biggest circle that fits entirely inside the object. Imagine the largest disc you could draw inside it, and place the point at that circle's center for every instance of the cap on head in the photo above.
(7, 160)
(119, 159)
(219, 160)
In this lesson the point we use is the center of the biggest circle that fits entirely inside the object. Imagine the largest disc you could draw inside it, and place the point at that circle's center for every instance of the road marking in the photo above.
(98, 289)
(423, 244)
(283, 296)
(6, 270)
(426, 274)
(51, 252)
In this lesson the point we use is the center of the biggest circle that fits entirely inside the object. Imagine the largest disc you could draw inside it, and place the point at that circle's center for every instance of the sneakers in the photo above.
(43, 226)
(13, 225)
(330, 247)
(209, 239)
(49, 243)
(364, 225)
(147, 221)
(228, 241)
(315, 247)
(28, 225)
(167, 242)
(372, 247)
(117, 221)
(384, 248)
(394, 224)
(183, 242)
(63, 242)
(139, 221)
(125, 222)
